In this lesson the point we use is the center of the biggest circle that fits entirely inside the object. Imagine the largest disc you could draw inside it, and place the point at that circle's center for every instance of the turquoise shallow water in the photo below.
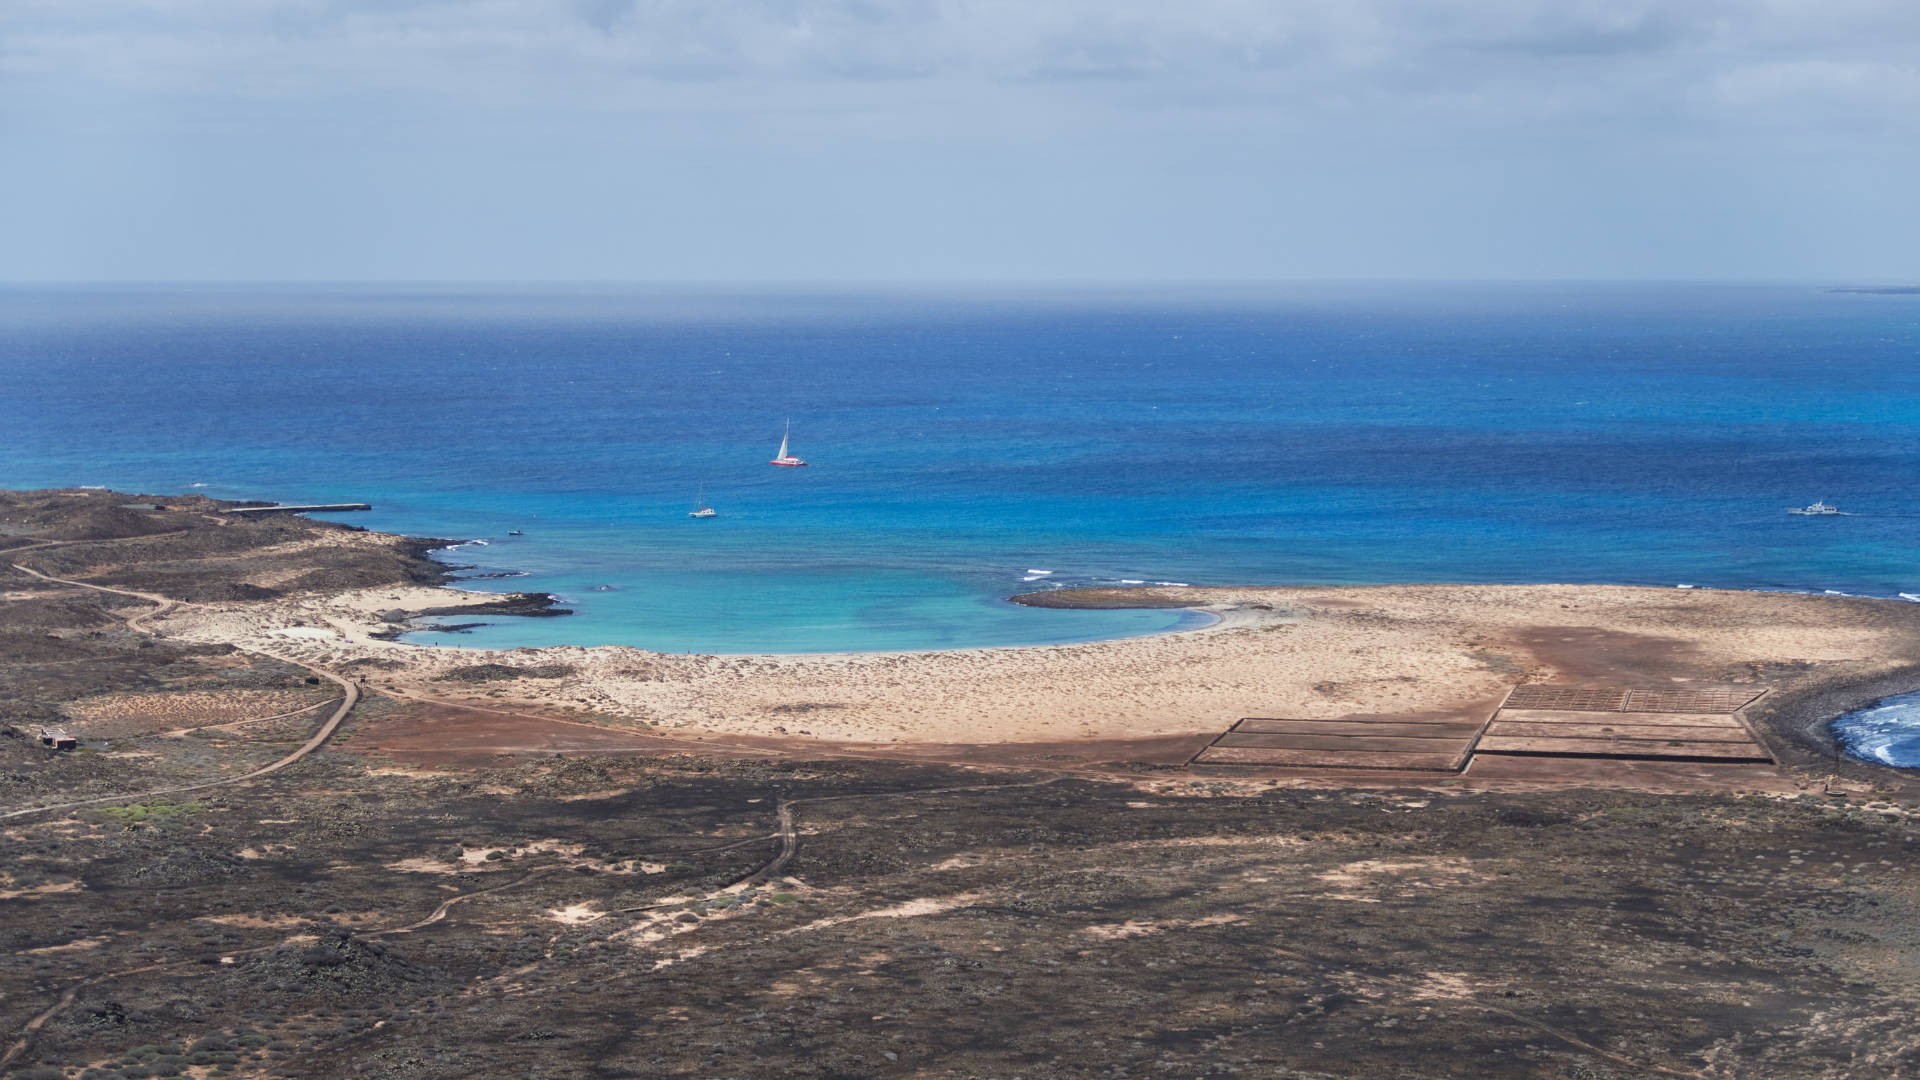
(783, 607)
(1305, 433)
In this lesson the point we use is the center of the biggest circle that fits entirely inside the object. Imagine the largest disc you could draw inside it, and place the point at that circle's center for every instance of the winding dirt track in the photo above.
(350, 696)
(788, 835)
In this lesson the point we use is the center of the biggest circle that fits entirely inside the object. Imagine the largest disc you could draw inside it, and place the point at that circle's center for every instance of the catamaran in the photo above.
(785, 458)
(700, 507)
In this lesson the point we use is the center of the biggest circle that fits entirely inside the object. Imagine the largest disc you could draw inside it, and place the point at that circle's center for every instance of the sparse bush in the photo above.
(136, 815)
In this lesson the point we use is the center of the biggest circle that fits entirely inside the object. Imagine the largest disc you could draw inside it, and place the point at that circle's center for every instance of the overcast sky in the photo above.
(864, 140)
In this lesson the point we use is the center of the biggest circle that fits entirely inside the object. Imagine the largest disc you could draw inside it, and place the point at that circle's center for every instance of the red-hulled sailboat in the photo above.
(785, 458)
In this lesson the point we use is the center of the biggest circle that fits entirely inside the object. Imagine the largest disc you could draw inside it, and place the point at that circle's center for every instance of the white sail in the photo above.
(785, 457)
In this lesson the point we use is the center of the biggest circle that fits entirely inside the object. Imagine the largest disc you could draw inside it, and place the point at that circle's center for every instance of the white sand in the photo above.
(1305, 653)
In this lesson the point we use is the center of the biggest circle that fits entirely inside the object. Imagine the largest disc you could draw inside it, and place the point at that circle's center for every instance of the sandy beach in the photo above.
(1309, 653)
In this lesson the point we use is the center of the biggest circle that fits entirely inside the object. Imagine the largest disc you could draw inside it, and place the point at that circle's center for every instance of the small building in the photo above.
(57, 739)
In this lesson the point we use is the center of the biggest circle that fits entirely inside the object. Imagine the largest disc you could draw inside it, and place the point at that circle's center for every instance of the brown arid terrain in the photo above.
(1409, 831)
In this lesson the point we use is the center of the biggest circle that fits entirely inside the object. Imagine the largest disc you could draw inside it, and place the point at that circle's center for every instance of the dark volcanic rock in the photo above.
(534, 604)
(494, 672)
(1099, 599)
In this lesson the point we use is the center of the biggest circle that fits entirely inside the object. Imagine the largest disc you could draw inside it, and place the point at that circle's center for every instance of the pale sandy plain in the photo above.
(1309, 653)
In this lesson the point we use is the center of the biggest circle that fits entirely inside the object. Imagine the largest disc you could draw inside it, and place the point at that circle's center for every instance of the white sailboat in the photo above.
(700, 507)
(784, 458)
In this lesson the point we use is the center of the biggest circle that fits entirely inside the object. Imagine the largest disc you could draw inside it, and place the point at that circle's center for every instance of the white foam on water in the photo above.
(1683, 586)
(197, 484)
(1887, 731)
(1181, 584)
(1038, 573)
(1915, 597)
(1131, 581)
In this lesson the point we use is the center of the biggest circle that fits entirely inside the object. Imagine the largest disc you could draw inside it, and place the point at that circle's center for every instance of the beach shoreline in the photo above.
(335, 596)
(1329, 653)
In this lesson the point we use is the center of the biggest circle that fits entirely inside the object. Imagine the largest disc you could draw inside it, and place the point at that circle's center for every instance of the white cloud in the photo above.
(575, 51)
(1062, 137)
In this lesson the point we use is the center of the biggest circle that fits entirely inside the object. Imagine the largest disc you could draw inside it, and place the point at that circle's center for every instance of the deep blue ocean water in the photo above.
(1886, 732)
(1336, 433)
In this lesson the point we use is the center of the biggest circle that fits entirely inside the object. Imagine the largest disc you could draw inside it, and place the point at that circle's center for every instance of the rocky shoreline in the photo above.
(1097, 599)
(1803, 717)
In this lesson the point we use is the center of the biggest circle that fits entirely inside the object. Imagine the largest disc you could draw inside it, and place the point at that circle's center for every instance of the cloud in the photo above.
(972, 137)
(574, 49)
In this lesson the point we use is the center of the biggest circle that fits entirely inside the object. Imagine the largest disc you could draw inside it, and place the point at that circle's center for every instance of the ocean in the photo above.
(970, 443)
(1886, 732)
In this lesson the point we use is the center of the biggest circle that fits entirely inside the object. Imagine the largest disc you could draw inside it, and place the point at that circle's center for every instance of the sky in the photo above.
(958, 140)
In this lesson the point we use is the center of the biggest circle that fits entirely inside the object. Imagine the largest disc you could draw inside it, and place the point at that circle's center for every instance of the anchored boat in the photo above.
(700, 507)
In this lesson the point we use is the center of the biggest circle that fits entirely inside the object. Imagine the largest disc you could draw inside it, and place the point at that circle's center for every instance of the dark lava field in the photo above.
(686, 915)
(600, 918)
